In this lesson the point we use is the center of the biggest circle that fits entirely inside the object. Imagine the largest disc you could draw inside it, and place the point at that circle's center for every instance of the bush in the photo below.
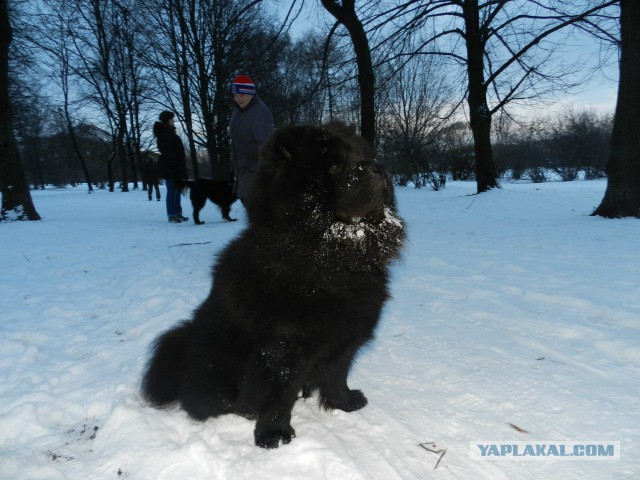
(573, 142)
(536, 174)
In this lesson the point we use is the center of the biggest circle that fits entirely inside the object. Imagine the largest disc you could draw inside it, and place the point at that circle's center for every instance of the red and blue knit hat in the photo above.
(244, 85)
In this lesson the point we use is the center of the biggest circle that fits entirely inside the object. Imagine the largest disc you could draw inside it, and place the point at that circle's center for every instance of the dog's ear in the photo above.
(282, 148)
(339, 127)
(289, 143)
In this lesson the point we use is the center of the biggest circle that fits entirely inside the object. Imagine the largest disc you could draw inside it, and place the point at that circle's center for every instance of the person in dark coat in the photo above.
(150, 177)
(250, 128)
(172, 164)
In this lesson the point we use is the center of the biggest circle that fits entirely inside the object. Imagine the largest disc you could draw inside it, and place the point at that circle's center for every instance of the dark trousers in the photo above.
(151, 186)
(174, 209)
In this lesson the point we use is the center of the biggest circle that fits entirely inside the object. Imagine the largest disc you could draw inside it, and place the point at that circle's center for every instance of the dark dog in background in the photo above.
(219, 192)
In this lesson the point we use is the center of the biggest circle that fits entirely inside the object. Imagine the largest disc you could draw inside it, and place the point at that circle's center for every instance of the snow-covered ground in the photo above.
(515, 318)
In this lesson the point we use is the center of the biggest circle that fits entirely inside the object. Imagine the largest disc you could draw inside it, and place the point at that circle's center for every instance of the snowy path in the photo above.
(515, 317)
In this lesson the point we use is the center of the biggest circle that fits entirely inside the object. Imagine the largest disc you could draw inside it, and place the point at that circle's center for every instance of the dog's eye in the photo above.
(336, 169)
(285, 153)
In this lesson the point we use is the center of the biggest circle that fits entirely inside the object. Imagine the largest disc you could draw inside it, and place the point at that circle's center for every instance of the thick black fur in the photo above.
(294, 296)
(219, 192)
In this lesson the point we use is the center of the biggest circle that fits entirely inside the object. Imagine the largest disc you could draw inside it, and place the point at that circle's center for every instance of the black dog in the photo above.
(219, 192)
(294, 296)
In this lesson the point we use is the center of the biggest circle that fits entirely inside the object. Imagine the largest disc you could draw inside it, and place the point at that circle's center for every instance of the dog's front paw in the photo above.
(273, 438)
(350, 401)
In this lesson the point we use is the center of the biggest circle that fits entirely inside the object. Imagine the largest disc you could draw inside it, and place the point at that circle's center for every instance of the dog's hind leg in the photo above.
(210, 384)
(226, 209)
(197, 202)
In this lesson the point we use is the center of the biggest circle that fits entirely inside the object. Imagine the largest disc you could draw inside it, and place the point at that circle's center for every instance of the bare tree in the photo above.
(578, 142)
(48, 31)
(568, 143)
(194, 48)
(166, 52)
(299, 84)
(345, 14)
(60, 50)
(99, 50)
(108, 71)
(30, 119)
(622, 197)
(504, 47)
(16, 198)
(413, 111)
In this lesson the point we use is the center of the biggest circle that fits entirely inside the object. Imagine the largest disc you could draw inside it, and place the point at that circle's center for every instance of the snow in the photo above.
(515, 317)
(359, 228)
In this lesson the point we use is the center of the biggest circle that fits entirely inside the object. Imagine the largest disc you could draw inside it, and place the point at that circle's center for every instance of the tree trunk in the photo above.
(122, 156)
(185, 92)
(111, 159)
(76, 147)
(219, 154)
(65, 68)
(346, 15)
(16, 198)
(479, 113)
(219, 144)
(622, 197)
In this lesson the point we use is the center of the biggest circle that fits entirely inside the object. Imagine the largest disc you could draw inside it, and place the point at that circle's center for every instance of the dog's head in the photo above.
(325, 171)
(322, 182)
